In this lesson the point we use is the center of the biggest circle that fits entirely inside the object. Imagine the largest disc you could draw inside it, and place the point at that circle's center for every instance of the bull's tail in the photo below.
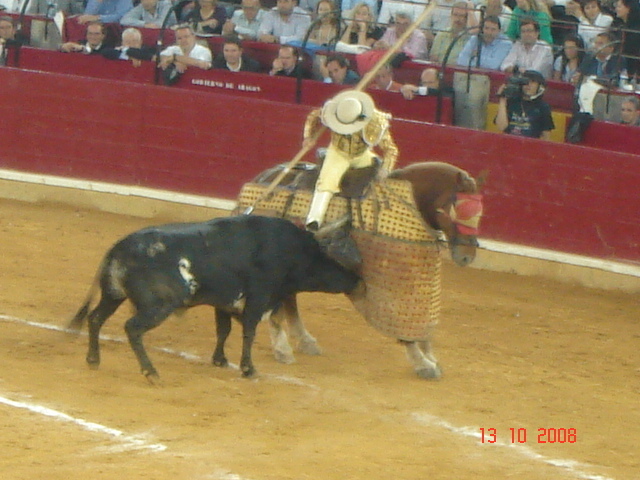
(79, 319)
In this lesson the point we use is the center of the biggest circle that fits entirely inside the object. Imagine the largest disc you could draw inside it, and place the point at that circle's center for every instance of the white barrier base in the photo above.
(150, 203)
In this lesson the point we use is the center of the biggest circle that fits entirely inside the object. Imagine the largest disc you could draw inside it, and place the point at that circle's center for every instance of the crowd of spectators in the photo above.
(560, 40)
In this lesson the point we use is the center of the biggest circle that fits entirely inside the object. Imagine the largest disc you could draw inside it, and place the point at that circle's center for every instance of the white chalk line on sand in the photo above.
(571, 466)
(129, 442)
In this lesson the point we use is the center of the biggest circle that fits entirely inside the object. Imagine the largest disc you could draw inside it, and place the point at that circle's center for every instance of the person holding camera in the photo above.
(521, 110)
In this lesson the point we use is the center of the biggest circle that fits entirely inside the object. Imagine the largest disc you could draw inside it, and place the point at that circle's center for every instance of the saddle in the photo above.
(356, 181)
(303, 176)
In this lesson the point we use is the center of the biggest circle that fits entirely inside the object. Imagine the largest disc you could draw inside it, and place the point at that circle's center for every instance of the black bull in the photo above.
(242, 266)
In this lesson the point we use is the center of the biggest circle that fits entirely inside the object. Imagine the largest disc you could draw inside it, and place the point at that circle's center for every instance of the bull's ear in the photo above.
(481, 179)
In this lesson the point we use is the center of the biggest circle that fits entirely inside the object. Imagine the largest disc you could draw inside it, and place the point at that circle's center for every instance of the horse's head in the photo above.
(458, 214)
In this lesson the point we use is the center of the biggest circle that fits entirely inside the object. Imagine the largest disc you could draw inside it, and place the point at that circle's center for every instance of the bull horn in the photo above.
(331, 227)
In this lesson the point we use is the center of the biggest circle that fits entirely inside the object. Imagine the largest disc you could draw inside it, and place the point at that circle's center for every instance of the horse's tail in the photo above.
(76, 323)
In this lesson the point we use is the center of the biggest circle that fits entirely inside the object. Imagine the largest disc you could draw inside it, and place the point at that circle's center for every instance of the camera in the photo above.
(515, 82)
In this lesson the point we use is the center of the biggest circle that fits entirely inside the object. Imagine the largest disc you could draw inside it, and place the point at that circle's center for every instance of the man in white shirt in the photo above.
(529, 53)
(389, 8)
(415, 46)
(284, 23)
(246, 21)
(186, 53)
(149, 14)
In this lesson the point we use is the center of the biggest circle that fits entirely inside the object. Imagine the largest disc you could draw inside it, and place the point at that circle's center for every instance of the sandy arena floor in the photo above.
(518, 353)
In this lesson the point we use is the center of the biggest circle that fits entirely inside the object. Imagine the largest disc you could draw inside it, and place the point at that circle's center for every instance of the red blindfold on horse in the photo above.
(466, 213)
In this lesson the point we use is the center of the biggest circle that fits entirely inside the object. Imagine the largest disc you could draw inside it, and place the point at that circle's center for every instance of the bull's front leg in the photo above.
(223, 328)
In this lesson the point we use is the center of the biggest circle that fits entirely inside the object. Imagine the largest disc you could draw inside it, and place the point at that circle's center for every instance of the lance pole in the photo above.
(362, 84)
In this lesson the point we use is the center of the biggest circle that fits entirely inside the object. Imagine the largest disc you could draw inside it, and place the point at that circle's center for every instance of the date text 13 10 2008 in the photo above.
(520, 435)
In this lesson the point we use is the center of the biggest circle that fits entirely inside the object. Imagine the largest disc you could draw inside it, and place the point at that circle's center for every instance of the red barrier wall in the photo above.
(542, 194)
(612, 136)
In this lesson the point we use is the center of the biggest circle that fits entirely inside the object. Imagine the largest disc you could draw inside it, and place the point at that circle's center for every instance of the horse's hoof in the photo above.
(430, 373)
(249, 373)
(284, 357)
(309, 347)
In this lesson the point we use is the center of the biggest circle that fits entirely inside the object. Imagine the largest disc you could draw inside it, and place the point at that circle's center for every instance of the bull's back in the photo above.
(286, 257)
(230, 256)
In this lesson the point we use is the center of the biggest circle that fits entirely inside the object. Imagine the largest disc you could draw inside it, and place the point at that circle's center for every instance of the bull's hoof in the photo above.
(221, 362)
(152, 377)
(249, 372)
(93, 362)
(73, 329)
(430, 373)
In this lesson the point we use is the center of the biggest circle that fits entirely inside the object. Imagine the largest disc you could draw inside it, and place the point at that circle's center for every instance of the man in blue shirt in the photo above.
(105, 11)
(492, 51)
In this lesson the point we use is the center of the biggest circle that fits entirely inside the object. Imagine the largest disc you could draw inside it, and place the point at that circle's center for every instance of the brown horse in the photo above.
(448, 200)
(441, 191)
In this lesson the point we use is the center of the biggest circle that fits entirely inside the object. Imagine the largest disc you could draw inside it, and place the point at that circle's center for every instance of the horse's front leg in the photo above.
(305, 342)
(424, 362)
(425, 346)
(282, 351)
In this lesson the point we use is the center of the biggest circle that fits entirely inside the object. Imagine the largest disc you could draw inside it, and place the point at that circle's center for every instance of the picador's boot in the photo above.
(317, 210)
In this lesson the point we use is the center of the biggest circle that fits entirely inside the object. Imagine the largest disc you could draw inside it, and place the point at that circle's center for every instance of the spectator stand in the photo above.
(558, 94)
(76, 32)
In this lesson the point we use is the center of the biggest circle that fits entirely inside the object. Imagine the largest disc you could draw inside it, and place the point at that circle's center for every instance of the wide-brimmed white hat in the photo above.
(348, 112)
